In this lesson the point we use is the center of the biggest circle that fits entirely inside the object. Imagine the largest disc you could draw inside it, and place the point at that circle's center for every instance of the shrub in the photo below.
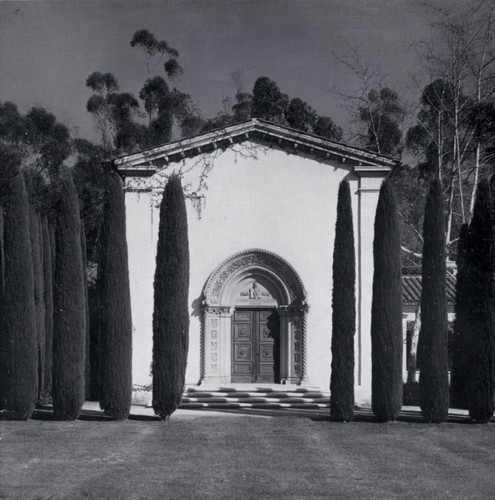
(433, 336)
(69, 330)
(344, 311)
(18, 340)
(171, 290)
(116, 324)
(386, 310)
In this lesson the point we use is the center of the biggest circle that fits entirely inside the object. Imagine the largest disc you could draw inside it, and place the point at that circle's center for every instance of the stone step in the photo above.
(259, 406)
(255, 397)
(232, 399)
(250, 388)
(252, 396)
(249, 395)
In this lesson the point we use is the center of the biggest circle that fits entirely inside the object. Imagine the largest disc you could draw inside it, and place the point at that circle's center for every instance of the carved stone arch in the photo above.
(220, 281)
(286, 293)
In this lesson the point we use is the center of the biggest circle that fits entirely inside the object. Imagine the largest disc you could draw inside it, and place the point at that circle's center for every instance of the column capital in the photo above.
(293, 310)
(223, 311)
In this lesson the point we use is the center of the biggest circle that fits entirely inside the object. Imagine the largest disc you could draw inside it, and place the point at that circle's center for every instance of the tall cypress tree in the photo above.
(344, 310)
(386, 310)
(95, 313)
(87, 366)
(39, 297)
(171, 290)
(116, 323)
(433, 337)
(48, 301)
(69, 330)
(2, 256)
(480, 325)
(18, 340)
(460, 344)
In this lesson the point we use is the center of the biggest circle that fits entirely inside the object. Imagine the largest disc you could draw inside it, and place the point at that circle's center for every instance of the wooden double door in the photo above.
(256, 346)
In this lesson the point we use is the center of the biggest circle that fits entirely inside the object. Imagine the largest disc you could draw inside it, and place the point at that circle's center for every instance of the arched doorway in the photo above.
(254, 321)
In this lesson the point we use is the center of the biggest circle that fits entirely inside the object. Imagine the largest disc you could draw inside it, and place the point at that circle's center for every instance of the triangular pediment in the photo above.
(146, 163)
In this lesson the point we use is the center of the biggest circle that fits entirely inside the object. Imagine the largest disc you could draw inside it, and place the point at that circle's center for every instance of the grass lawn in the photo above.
(237, 456)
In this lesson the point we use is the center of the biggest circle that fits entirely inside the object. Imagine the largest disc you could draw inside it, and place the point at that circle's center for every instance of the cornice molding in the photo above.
(147, 162)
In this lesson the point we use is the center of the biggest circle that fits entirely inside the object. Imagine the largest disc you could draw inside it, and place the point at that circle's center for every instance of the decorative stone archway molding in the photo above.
(255, 259)
(219, 304)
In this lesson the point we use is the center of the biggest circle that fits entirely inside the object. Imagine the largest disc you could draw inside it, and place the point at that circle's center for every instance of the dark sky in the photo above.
(48, 48)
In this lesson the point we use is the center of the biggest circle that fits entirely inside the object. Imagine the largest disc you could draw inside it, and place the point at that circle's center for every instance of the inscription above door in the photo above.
(255, 294)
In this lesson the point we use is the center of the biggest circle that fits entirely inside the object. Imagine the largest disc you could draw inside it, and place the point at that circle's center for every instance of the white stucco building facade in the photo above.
(261, 202)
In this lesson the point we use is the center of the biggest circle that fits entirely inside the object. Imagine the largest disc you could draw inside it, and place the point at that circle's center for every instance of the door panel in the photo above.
(252, 346)
(243, 332)
(265, 348)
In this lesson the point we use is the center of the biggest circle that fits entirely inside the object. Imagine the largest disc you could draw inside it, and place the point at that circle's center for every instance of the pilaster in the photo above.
(217, 333)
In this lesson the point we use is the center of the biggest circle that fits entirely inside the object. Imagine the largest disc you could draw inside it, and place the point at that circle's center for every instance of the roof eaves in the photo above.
(147, 162)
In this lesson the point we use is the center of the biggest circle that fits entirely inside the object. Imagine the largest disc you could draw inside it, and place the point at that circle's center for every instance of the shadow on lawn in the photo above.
(406, 416)
(87, 415)
(361, 415)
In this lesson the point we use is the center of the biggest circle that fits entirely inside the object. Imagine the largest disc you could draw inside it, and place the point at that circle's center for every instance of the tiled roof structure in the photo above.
(411, 289)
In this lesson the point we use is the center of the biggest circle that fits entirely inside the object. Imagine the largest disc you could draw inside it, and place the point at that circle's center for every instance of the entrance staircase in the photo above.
(255, 396)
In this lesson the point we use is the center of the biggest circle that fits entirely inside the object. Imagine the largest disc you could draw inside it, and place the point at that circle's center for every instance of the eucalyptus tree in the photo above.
(453, 130)
(163, 102)
(268, 101)
(115, 114)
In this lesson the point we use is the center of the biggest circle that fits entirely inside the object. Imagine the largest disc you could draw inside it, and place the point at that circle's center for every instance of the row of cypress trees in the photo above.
(386, 317)
(386, 313)
(473, 371)
(41, 294)
(472, 376)
(44, 301)
(40, 274)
